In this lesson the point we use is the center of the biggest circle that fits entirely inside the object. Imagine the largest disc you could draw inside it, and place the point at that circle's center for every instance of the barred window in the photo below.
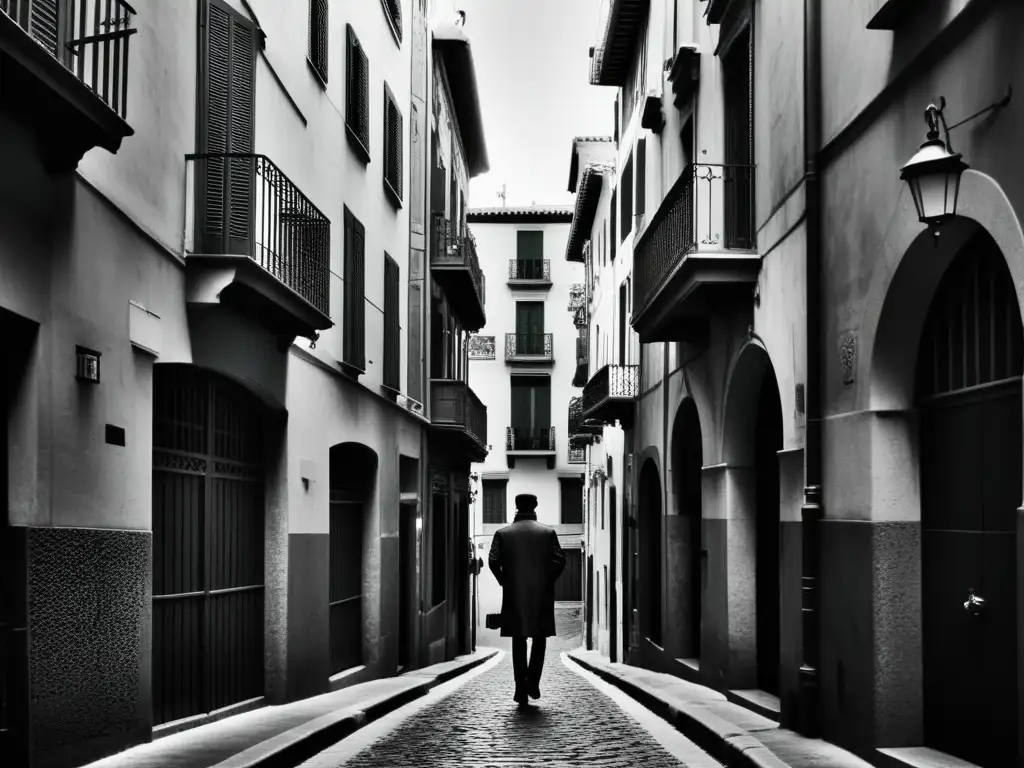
(392, 327)
(357, 96)
(392, 147)
(393, 10)
(495, 511)
(318, 23)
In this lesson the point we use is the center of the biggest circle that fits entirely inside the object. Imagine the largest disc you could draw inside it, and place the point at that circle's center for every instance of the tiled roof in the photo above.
(534, 213)
(607, 139)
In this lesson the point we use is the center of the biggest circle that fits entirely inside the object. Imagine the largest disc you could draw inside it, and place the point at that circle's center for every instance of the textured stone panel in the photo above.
(88, 606)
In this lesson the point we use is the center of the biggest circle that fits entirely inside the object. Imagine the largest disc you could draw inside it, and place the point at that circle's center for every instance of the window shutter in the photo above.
(318, 25)
(394, 10)
(357, 91)
(616, 119)
(227, 104)
(392, 144)
(43, 22)
(626, 201)
(641, 175)
(613, 240)
(392, 332)
(354, 345)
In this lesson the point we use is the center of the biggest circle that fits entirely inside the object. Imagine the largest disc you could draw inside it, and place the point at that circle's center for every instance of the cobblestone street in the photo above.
(479, 726)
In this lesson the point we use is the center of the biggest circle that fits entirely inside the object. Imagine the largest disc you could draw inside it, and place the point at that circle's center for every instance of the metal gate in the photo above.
(969, 389)
(208, 543)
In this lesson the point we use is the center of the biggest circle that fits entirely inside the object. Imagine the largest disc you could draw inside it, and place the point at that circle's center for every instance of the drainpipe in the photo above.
(811, 511)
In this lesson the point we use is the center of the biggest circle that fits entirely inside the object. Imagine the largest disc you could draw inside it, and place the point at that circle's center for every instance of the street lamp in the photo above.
(933, 174)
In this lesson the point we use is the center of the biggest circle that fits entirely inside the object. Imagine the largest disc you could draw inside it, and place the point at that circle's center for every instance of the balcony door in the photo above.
(530, 255)
(530, 327)
(531, 412)
(227, 91)
(739, 143)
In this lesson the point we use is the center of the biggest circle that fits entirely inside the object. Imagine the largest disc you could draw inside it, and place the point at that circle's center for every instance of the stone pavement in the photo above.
(289, 733)
(479, 726)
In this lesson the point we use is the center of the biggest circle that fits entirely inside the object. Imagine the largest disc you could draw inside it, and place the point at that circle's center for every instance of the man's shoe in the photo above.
(520, 696)
(534, 690)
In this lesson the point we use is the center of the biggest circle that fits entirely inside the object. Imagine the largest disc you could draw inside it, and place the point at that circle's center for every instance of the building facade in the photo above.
(823, 380)
(215, 264)
(523, 362)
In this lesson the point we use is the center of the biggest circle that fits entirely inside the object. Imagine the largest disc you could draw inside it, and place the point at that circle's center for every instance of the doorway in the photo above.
(968, 389)
(687, 461)
(406, 575)
(651, 544)
(767, 444)
(591, 612)
(529, 327)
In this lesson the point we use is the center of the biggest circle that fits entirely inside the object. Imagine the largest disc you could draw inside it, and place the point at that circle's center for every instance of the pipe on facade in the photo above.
(809, 723)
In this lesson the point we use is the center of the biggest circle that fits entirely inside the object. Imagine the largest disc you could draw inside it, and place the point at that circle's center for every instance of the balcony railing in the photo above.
(612, 382)
(89, 37)
(454, 404)
(710, 207)
(575, 415)
(244, 205)
(454, 256)
(529, 270)
(529, 438)
(577, 455)
(529, 346)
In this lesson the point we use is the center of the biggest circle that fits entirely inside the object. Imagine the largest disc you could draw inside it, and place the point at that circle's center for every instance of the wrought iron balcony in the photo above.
(457, 412)
(611, 394)
(530, 442)
(579, 379)
(696, 253)
(529, 348)
(456, 267)
(65, 68)
(579, 435)
(255, 241)
(613, 58)
(529, 273)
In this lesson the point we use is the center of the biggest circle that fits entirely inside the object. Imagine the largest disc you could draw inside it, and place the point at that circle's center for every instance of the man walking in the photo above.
(527, 559)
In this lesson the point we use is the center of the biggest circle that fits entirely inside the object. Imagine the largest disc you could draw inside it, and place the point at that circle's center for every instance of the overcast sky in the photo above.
(533, 73)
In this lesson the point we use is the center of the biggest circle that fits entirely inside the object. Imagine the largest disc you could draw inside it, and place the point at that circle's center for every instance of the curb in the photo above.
(295, 746)
(725, 742)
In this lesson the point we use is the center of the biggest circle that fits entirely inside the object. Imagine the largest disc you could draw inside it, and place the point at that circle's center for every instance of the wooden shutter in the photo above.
(357, 91)
(613, 240)
(616, 119)
(641, 175)
(436, 175)
(226, 120)
(394, 10)
(392, 144)
(392, 330)
(626, 201)
(495, 510)
(43, 22)
(354, 345)
(318, 25)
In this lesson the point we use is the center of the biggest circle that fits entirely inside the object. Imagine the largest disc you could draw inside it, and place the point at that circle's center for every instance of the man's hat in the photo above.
(526, 502)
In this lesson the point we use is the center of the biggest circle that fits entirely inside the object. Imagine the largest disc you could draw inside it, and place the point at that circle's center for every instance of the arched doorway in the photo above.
(751, 442)
(208, 543)
(649, 503)
(687, 460)
(353, 476)
(968, 390)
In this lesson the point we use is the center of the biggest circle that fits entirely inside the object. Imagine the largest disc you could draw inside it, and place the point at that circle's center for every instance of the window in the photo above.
(357, 96)
(606, 594)
(613, 241)
(393, 11)
(354, 328)
(622, 324)
(626, 185)
(227, 64)
(641, 176)
(739, 143)
(616, 134)
(494, 500)
(530, 336)
(597, 602)
(572, 500)
(392, 147)
(601, 493)
(318, 23)
(530, 255)
(531, 413)
(392, 326)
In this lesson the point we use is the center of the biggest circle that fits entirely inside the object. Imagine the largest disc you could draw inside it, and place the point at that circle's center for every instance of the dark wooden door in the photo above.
(208, 543)
(530, 327)
(406, 573)
(569, 586)
(345, 588)
(969, 389)
(768, 442)
(613, 610)
(591, 609)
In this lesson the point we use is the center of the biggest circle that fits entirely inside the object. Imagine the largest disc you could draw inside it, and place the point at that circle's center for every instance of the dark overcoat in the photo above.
(527, 559)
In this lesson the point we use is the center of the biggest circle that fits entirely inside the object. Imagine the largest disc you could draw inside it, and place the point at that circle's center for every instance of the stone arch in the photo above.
(683, 526)
(352, 543)
(752, 436)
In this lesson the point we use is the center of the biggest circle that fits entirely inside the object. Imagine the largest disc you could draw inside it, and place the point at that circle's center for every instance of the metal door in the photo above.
(969, 389)
(208, 543)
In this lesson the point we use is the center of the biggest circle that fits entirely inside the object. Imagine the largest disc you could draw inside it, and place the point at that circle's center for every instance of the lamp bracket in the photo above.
(934, 116)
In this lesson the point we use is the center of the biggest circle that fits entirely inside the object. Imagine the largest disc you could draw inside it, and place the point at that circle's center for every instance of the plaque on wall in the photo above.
(481, 347)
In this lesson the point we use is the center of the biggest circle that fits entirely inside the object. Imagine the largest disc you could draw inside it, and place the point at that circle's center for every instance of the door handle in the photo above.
(974, 605)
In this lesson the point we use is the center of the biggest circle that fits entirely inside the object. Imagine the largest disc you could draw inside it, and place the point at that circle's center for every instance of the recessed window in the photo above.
(494, 502)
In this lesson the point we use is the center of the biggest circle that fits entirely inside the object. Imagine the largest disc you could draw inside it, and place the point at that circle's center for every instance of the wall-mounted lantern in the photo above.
(87, 365)
(933, 174)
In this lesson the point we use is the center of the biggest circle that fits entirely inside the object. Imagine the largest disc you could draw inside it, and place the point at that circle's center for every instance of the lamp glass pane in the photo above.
(931, 196)
(952, 191)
